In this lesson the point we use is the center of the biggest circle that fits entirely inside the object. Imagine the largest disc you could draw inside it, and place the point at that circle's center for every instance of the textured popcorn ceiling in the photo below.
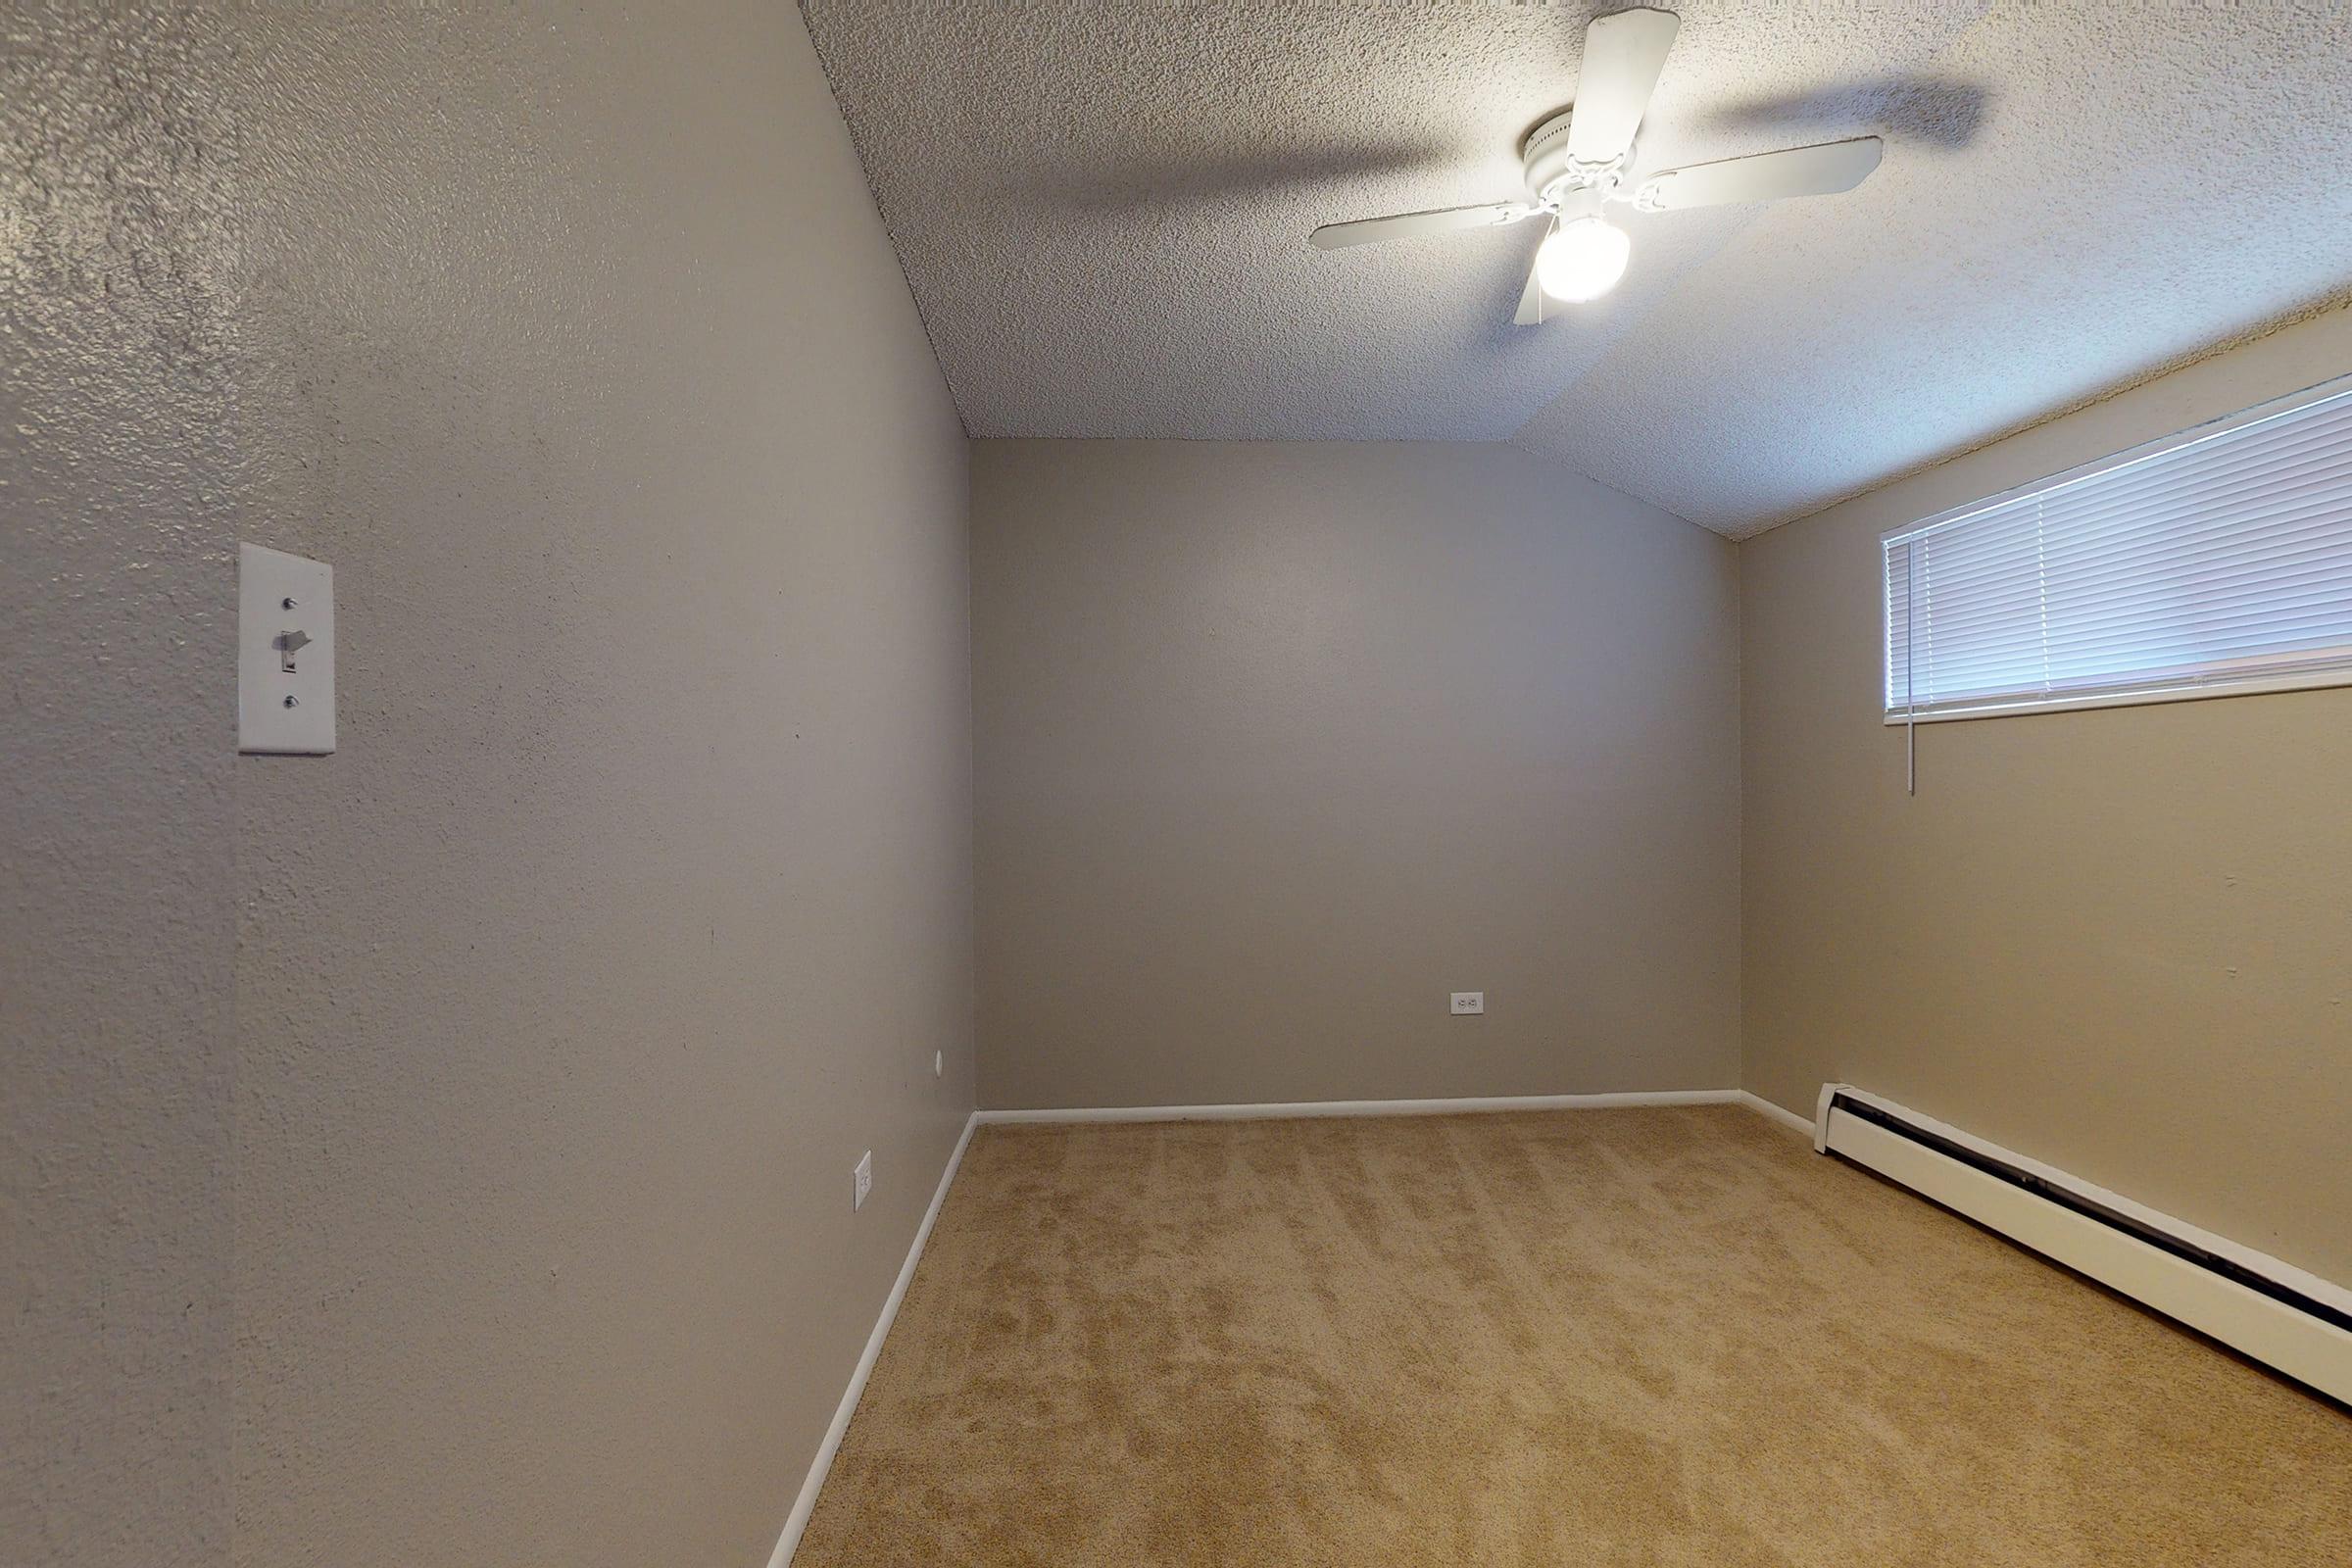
(1102, 211)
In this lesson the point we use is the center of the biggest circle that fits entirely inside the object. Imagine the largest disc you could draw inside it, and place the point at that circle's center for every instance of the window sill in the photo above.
(2132, 697)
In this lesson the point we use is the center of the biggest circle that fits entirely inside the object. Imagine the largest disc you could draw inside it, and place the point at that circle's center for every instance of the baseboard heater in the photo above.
(2279, 1315)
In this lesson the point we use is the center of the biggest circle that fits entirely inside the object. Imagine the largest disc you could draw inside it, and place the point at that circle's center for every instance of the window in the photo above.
(2216, 560)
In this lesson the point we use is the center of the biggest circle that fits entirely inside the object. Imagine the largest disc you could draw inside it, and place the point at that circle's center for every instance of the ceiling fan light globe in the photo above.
(1582, 261)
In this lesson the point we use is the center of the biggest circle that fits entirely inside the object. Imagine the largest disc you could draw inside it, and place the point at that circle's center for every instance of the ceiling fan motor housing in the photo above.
(1552, 172)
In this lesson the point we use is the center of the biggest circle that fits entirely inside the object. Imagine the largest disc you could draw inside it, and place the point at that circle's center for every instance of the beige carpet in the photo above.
(1614, 1337)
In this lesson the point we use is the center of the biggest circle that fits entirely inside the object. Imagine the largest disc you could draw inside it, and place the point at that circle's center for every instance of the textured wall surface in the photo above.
(1281, 744)
(117, 720)
(1104, 211)
(638, 898)
(2119, 941)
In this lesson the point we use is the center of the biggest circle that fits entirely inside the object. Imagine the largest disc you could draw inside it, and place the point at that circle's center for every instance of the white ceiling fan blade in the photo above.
(1821, 171)
(1406, 225)
(1530, 302)
(1533, 301)
(1624, 52)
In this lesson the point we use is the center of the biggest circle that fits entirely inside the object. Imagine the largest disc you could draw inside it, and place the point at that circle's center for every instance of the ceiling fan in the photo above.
(1577, 164)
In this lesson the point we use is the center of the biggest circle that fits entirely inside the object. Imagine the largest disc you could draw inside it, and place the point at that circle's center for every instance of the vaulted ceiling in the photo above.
(1102, 212)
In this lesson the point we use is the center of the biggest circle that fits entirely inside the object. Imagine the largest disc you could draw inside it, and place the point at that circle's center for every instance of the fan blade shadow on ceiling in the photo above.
(1180, 179)
(1936, 114)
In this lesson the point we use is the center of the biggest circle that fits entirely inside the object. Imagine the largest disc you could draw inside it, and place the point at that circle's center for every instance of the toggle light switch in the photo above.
(286, 653)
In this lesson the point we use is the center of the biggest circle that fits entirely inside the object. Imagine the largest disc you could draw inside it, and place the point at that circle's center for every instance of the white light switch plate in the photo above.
(281, 710)
(1469, 1001)
(864, 1175)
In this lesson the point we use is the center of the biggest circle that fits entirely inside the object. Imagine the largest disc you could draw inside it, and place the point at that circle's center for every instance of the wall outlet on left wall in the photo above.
(865, 1178)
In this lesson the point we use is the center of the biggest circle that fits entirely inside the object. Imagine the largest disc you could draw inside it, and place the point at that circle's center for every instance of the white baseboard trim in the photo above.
(1786, 1118)
(805, 1504)
(1276, 1112)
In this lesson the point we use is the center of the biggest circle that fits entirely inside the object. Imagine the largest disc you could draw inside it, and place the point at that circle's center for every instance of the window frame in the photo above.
(2121, 695)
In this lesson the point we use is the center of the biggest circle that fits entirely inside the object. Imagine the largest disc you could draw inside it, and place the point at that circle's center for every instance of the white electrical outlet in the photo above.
(1469, 1001)
(865, 1177)
(939, 1064)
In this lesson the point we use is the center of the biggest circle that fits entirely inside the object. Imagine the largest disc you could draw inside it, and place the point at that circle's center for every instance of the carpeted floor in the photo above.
(1609, 1337)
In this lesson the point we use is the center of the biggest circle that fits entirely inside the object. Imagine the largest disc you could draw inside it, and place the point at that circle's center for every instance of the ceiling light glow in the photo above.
(1582, 261)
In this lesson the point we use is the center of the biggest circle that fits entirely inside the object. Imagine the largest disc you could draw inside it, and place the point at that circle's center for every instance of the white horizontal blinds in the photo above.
(1981, 623)
(2223, 558)
(2230, 553)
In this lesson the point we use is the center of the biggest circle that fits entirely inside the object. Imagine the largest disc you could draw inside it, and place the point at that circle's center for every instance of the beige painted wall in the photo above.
(2119, 941)
(552, 1011)
(116, 893)
(1279, 744)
